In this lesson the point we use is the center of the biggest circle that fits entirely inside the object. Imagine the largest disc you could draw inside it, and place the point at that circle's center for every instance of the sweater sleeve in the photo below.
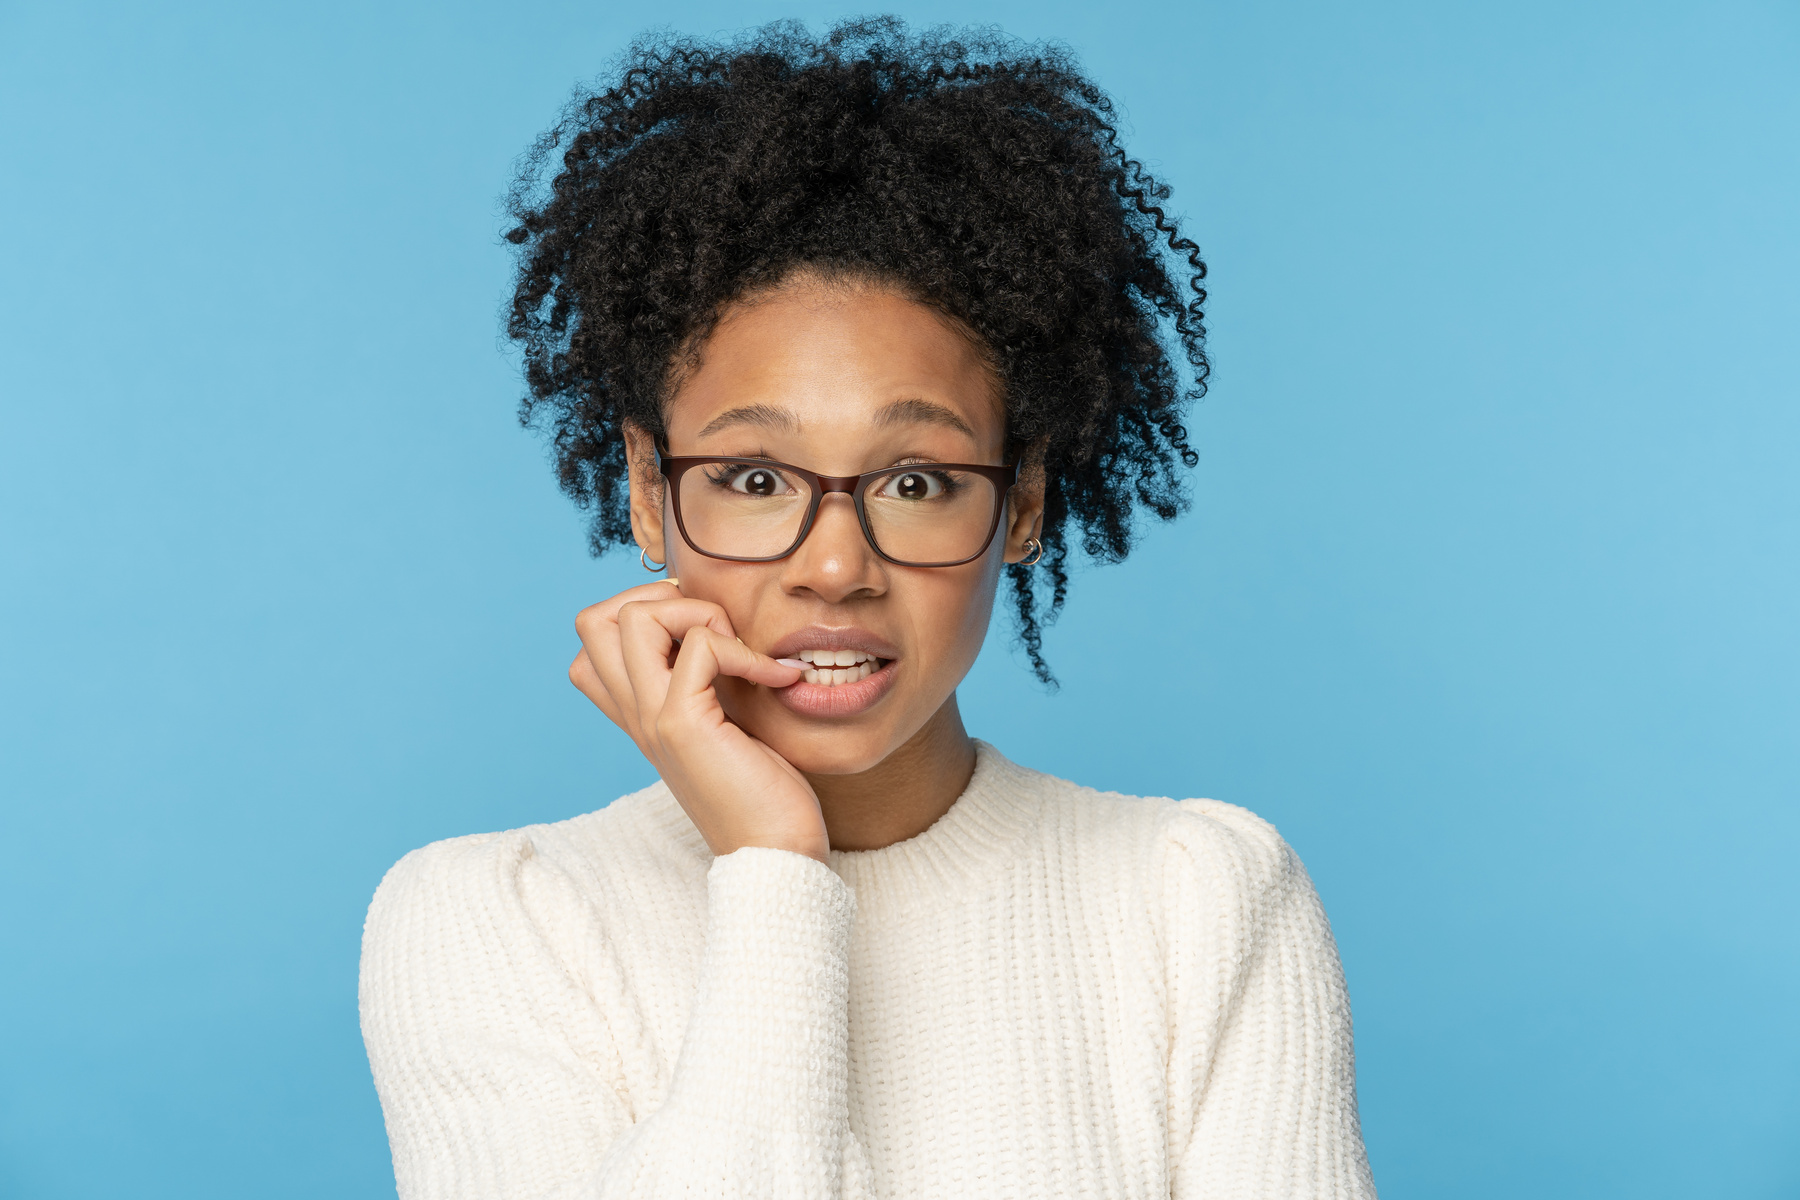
(497, 1072)
(1262, 1101)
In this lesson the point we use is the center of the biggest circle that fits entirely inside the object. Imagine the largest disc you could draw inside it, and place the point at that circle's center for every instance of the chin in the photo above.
(828, 749)
(816, 745)
(842, 730)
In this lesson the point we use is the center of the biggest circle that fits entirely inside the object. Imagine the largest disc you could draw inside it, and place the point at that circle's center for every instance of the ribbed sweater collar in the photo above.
(964, 848)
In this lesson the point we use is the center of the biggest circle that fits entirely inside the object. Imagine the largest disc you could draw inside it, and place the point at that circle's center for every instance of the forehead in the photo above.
(818, 360)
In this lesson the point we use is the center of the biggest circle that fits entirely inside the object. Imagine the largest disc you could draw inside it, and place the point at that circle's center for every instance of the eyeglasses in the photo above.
(914, 515)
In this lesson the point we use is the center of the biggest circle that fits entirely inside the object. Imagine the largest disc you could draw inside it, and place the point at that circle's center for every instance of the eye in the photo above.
(912, 485)
(757, 482)
(751, 481)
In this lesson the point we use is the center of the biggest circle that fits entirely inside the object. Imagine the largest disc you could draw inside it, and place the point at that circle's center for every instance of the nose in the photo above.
(835, 562)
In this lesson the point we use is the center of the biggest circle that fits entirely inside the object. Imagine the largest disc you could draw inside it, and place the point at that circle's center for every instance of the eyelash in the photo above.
(721, 475)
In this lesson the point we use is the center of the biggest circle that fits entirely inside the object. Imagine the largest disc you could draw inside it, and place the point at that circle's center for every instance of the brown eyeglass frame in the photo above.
(673, 467)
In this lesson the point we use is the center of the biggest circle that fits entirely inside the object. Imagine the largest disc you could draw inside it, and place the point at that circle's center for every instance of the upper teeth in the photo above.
(835, 658)
(834, 667)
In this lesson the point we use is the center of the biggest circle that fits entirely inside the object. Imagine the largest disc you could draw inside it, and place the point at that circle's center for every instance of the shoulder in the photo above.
(1216, 836)
(486, 879)
(1196, 855)
(1205, 834)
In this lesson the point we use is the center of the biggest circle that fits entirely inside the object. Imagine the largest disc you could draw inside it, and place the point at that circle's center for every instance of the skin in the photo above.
(824, 374)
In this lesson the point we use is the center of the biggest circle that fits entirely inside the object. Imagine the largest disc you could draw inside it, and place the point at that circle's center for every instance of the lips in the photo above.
(831, 690)
(826, 637)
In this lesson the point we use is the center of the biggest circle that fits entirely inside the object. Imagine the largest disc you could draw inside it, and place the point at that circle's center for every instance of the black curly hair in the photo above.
(980, 175)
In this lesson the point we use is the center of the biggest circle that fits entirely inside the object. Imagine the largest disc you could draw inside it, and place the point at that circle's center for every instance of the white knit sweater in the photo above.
(1052, 992)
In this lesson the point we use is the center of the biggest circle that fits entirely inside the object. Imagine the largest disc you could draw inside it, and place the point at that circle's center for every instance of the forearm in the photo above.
(495, 1059)
(757, 1105)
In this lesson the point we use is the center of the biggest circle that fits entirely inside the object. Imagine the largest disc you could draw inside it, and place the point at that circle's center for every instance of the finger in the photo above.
(656, 589)
(648, 631)
(587, 682)
(706, 655)
(598, 627)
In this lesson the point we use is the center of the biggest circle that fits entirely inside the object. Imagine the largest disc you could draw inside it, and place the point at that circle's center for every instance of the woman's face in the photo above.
(840, 379)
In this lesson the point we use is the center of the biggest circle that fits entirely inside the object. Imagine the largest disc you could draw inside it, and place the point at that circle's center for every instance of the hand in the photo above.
(737, 791)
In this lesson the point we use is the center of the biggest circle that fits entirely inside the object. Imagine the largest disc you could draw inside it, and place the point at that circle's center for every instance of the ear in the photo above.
(647, 492)
(1025, 505)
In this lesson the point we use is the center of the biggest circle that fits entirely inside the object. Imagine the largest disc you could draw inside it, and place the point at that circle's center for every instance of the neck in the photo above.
(903, 794)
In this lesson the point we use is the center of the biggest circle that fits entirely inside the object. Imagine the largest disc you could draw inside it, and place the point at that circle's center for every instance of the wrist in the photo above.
(813, 846)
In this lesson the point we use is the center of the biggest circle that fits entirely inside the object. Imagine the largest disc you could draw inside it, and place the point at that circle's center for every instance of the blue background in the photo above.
(1487, 599)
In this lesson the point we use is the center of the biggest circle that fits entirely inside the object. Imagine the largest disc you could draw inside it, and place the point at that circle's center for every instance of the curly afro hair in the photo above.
(980, 175)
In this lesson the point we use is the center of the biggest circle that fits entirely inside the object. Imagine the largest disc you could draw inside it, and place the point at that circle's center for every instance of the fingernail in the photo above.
(794, 663)
(676, 582)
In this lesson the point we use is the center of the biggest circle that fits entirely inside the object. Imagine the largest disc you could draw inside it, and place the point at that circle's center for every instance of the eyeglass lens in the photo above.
(920, 515)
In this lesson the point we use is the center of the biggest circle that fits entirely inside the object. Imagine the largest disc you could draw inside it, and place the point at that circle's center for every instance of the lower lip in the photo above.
(837, 700)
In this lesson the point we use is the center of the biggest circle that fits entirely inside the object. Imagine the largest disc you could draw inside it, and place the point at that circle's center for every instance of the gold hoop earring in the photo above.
(644, 561)
(1034, 553)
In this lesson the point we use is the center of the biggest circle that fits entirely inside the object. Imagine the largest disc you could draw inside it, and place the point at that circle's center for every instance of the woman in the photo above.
(841, 332)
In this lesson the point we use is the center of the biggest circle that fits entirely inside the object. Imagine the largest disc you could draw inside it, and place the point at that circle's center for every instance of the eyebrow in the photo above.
(921, 412)
(766, 415)
(900, 412)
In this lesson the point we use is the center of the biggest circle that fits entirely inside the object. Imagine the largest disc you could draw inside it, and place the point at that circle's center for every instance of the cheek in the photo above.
(735, 587)
(952, 607)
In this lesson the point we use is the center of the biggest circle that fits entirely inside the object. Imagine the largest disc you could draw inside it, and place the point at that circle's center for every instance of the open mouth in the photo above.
(844, 671)
(834, 668)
